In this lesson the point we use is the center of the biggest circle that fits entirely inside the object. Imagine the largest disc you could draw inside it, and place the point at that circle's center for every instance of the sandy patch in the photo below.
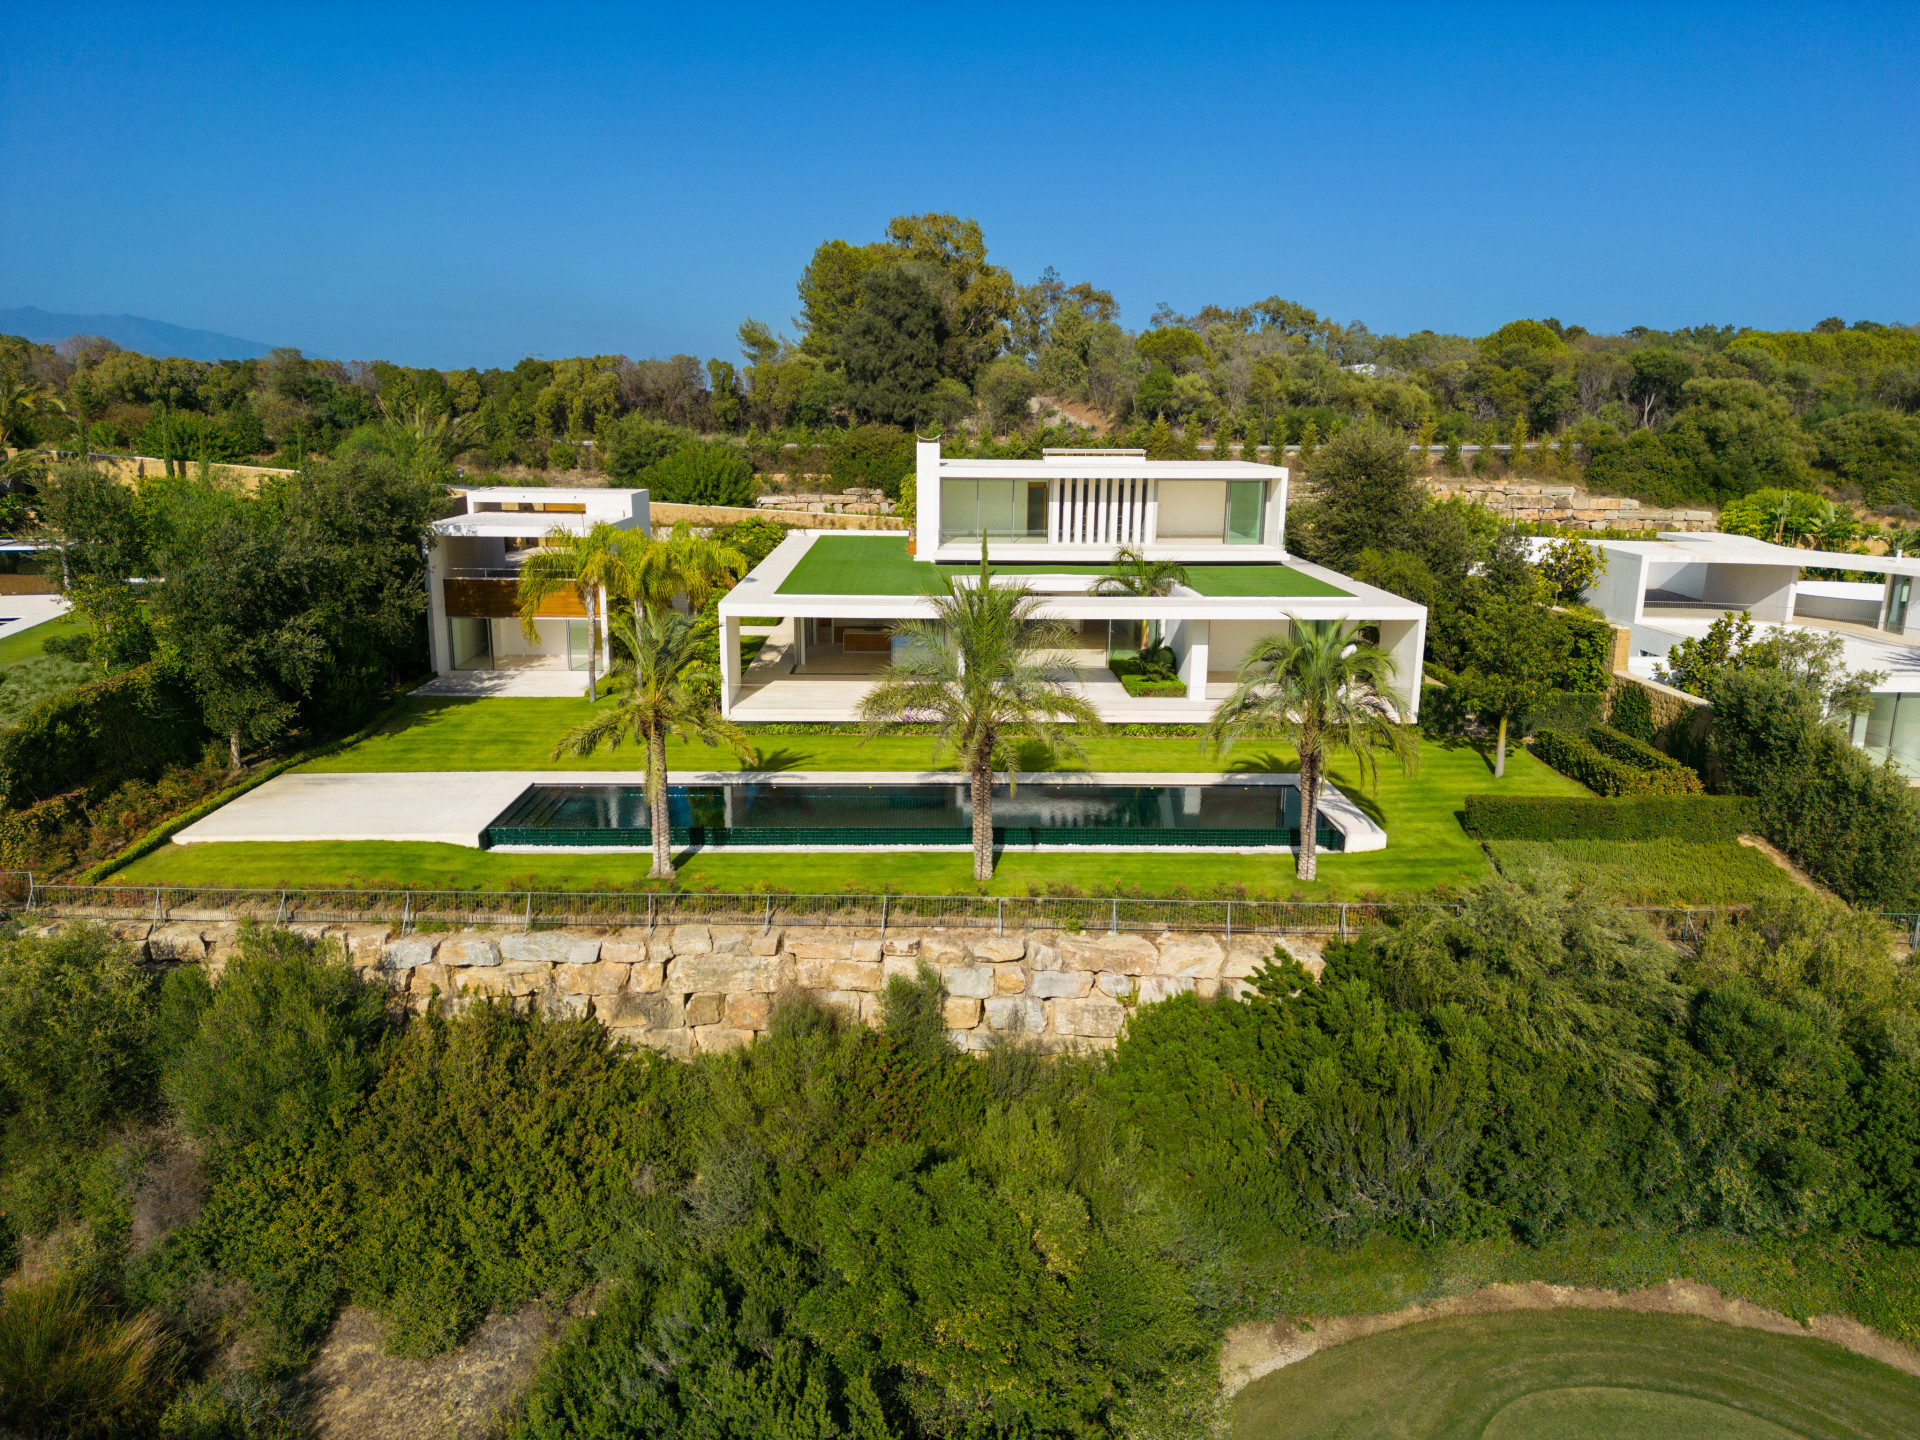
(1250, 1351)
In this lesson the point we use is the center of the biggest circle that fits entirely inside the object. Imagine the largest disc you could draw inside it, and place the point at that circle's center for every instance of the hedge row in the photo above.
(131, 726)
(1578, 757)
(1624, 817)
(1639, 754)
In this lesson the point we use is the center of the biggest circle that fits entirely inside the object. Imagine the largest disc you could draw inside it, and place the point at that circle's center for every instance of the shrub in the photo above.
(1636, 817)
(874, 457)
(1632, 713)
(287, 1042)
(634, 445)
(1142, 677)
(74, 1031)
(1853, 825)
(129, 726)
(1604, 773)
(1569, 710)
(71, 1367)
(1642, 756)
(702, 475)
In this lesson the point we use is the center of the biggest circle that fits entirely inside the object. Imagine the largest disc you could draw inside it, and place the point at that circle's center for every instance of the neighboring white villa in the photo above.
(1674, 588)
(826, 599)
(473, 577)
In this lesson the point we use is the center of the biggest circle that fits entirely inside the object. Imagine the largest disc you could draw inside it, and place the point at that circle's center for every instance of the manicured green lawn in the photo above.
(1426, 846)
(1661, 871)
(1579, 1375)
(29, 675)
(857, 565)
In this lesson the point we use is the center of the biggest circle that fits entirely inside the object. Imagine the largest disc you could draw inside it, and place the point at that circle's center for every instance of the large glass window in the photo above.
(1898, 603)
(1246, 510)
(997, 509)
(579, 644)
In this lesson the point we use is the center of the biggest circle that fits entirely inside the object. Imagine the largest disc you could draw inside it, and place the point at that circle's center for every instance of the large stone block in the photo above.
(819, 945)
(1118, 986)
(908, 944)
(365, 944)
(177, 943)
(627, 951)
(1192, 955)
(1128, 954)
(1154, 988)
(678, 1044)
(1042, 953)
(723, 973)
(653, 1011)
(705, 1009)
(1010, 979)
(940, 949)
(1061, 984)
(711, 1039)
(691, 940)
(406, 954)
(646, 975)
(469, 950)
(906, 969)
(767, 942)
(960, 1013)
(998, 947)
(572, 1007)
(847, 1002)
(1246, 955)
(1016, 1013)
(733, 937)
(749, 1012)
(1097, 1017)
(551, 947)
(603, 977)
(482, 982)
(973, 981)
(840, 974)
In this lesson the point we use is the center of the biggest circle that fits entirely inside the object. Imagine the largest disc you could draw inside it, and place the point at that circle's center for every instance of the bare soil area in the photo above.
(359, 1392)
(1779, 857)
(1251, 1351)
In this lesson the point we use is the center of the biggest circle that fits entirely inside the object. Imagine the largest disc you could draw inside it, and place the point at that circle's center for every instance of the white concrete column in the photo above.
(729, 662)
(1406, 641)
(438, 640)
(605, 637)
(1152, 532)
(926, 498)
(1193, 665)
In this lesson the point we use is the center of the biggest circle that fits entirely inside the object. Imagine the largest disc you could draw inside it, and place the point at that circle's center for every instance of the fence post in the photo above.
(156, 904)
(883, 916)
(29, 889)
(1343, 919)
(280, 915)
(1229, 924)
(529, 926)
(1116, 916)
(1000, 918)
(766, 923)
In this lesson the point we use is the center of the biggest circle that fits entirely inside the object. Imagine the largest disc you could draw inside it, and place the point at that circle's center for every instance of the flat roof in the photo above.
(546, 494)
(519, 523)
(1100, 465)
(865, 565)
(1712, 548)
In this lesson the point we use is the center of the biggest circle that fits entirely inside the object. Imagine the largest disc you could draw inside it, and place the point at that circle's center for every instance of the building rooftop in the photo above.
(1714, 548)
(880, 565)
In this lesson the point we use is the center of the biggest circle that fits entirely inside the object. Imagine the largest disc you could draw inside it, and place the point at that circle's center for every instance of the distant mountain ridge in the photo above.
(133, 332)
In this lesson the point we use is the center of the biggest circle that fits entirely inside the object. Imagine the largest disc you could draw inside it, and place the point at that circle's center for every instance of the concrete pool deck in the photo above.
(454, 807)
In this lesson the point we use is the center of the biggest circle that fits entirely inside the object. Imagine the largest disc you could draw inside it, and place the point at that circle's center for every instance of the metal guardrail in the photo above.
(538, 909)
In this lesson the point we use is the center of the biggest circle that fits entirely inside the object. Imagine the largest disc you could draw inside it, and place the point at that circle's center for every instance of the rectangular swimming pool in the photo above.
(804, 814)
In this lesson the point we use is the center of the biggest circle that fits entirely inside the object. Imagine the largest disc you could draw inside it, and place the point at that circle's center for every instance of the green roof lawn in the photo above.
(858, 565)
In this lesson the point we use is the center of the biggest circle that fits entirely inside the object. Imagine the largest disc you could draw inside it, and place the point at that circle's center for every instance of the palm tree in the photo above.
(659, 694)
(682, 564)
(1327, 690)
(1134, 574)
(585, 562)
(981, 673)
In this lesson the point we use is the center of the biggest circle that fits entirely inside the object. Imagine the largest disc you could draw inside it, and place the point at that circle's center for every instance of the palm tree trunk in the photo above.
(661, 818)
(1305, 858)
(233, 748)
(593, 643)
(1500, 751)
(983, 820)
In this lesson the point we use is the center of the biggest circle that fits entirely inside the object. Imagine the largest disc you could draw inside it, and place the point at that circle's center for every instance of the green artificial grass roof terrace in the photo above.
(858, 565)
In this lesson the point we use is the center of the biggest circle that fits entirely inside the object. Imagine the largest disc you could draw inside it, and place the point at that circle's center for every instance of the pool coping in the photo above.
(455, 807)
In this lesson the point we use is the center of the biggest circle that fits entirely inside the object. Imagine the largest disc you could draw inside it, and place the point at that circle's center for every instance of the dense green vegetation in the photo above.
(1579, 1375)
(843, 1228)
(919, 328)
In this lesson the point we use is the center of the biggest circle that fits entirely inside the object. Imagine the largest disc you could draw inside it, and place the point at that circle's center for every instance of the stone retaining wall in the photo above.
(1570, 506)
(696, 988)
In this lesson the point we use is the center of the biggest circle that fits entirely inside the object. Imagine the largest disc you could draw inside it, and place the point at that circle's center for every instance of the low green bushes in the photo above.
(1634, 817)
(131, 726)
(1143, 677)
(1606, 761)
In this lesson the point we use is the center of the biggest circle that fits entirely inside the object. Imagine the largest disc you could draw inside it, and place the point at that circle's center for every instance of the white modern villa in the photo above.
(473, 578)
(827, 600)
(1674, 588)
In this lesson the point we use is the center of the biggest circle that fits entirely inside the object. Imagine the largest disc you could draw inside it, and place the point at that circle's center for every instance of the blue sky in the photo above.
(469, 185)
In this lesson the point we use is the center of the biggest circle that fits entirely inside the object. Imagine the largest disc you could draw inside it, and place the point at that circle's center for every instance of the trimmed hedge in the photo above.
(1642, 756)
(1578, 758)
(131, 726)
(1569, 710)
(1140, 679)
(1624, 817)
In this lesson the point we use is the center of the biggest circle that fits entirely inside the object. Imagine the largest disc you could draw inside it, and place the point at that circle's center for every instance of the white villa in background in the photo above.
(1674, 588)
(473, 579)
(826, 600)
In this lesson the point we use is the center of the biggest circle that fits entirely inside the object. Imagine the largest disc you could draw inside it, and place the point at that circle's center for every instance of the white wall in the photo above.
(550, 638)
(1232, 639)
(1620, 590)
(1192, 509)
(1860, 604)
(1689, 578)
(1765, 591)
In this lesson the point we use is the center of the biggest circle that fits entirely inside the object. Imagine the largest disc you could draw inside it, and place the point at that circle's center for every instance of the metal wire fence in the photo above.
(548, 909)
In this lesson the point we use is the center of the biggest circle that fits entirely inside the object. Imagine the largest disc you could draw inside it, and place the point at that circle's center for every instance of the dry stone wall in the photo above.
(692, 989)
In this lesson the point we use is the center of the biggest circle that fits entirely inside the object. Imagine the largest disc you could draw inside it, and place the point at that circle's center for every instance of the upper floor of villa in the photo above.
(1088, 505)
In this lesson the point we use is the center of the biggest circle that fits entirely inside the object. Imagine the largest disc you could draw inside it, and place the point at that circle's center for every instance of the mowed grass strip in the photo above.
(1579, 1375)
(29, 675)
(1658, 871)
(1426, 848)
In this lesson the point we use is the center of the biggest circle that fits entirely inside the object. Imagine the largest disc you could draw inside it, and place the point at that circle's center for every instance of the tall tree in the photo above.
(585, 564)
(1328, 691)
(1371, 496)
(659, 693)
(891, 347)
(1514, 649)
(1133, 574)
(981, 672)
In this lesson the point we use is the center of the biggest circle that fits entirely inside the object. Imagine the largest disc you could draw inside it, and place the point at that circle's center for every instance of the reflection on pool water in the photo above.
(913, 815)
